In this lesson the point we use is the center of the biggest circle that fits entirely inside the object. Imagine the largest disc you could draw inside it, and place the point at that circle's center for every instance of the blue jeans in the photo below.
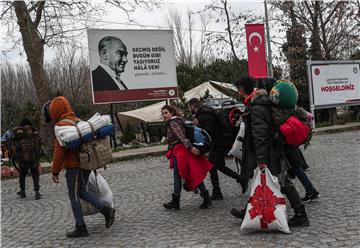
(301, 175)
(178, 182)
(82, 177)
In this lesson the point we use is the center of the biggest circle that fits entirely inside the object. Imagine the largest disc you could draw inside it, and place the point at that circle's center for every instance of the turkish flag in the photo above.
(255, 41)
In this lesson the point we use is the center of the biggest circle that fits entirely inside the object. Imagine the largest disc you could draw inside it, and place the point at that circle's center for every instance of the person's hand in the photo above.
(195, 151)
(262, 166)
(55, 178)
(195, 122)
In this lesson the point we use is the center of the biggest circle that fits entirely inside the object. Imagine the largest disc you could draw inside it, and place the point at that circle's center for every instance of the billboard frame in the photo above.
(309, 64)
(175, 97)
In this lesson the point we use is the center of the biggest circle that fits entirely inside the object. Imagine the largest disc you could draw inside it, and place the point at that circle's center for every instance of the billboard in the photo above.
(334, 83)
(132, 65)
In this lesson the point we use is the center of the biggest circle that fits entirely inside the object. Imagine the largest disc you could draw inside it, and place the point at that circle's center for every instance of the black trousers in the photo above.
(292, 195)
(35, 176)
(217, 158)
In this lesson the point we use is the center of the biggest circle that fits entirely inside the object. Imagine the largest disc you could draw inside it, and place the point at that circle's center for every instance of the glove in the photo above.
(262, 166)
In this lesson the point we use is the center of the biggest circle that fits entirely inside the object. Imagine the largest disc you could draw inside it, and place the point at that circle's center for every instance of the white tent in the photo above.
(152, 113)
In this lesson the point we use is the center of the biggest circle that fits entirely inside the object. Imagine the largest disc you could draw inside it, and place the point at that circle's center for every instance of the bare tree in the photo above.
(221, 11)
(332, 27)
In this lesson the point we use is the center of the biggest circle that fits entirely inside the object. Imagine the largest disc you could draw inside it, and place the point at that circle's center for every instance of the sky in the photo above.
(115, 19)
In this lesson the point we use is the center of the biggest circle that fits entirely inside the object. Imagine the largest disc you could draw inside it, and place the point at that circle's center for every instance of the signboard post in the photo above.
(132, 65)
(333, 84)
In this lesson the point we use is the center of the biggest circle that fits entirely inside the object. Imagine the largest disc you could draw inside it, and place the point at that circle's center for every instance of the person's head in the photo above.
(194, 105)
(113, 53)
(57, 109)
(266, 84)
(245, 86)
(25, 122)
(169, 111)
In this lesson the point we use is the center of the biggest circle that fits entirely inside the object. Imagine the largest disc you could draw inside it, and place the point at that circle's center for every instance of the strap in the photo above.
(92, 129)
(74, 124)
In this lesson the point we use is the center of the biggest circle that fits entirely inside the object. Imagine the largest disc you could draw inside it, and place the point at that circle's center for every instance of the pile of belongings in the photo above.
(97, 126)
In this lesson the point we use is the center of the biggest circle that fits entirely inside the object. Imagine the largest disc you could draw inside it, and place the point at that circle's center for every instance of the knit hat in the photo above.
(284, 94)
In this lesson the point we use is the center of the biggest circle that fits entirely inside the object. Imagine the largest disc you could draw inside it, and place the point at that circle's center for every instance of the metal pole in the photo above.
(310, 85)
(270, 68)
(112, 120)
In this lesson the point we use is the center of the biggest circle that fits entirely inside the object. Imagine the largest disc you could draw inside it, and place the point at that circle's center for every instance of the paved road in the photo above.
(141, 186)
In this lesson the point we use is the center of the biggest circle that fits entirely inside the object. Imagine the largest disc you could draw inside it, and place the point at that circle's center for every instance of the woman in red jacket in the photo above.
(184, 159)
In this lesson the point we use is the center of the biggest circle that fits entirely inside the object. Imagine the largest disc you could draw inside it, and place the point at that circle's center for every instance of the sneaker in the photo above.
(310, 196)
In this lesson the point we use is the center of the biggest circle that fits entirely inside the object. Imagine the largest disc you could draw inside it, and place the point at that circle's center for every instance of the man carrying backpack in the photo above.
(206, 119)
(263, 147)
(25, 150)
(57, 110)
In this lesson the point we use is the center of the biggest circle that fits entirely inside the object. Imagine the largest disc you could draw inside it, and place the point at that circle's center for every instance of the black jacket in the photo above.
(209, 121)
(103, 81)
(260, 145)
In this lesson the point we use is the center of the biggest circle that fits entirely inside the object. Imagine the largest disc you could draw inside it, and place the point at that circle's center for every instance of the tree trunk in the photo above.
(34, 48)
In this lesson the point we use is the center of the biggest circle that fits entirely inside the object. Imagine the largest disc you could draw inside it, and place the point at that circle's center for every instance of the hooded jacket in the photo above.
(60, 109)
(259, 144)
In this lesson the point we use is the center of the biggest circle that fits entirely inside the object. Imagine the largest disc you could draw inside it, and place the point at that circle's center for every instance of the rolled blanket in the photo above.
(66, 134)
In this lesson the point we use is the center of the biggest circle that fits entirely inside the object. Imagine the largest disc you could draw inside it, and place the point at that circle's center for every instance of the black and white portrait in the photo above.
(113, 58)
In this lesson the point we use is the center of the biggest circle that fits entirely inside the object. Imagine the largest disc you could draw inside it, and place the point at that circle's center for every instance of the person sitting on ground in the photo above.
(185, 160)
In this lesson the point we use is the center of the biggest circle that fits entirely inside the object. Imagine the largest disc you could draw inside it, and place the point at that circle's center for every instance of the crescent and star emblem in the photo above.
(252, 35)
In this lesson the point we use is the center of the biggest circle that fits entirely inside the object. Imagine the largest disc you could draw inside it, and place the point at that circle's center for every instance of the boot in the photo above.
(174, 204)
(80, 231)
(216, 195)
(238, 213)
(109, 214)
(310, 196)
(300, 218)
(22, 194)
(207, 200)
(37, 195)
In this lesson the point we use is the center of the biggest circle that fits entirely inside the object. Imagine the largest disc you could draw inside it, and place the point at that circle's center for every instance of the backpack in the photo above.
(197, 136)
(228, 116)
(293, 124)
(25, 145)
(95, 153)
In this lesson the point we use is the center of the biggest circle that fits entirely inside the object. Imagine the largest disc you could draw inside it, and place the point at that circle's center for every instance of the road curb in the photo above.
(119, 158)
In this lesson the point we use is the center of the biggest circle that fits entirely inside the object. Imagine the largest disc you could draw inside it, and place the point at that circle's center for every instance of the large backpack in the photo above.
(25, 146)
(228, 116)
(93, 154)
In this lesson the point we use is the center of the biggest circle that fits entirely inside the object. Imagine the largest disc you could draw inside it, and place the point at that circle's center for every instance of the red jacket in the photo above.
(193, 169)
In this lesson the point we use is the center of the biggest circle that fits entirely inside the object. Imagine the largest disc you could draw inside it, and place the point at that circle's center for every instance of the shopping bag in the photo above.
(98, 186)
(236, 150)
(266, 209)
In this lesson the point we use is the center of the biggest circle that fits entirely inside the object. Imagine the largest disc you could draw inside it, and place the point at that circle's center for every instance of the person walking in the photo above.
(185, 160)
(57, 110)
(206, 119)
(263, 146)
(25, 149)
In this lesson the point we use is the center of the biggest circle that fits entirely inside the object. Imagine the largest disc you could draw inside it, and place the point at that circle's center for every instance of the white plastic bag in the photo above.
(266, 209)
(97, 185)
(236, 149)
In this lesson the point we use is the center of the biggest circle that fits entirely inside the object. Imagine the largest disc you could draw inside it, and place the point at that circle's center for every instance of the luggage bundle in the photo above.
(91, 138)
(71, 137)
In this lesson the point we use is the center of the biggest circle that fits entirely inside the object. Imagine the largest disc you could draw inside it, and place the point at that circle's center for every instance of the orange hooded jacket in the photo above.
(60, 109)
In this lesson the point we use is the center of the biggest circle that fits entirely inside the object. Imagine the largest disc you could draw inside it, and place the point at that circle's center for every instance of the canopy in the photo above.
(152, 113)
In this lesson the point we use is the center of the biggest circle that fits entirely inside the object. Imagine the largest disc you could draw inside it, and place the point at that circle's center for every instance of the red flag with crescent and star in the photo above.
(255, 41)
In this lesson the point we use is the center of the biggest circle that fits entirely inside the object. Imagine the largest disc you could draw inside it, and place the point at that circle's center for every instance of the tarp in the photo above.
(152, 113)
